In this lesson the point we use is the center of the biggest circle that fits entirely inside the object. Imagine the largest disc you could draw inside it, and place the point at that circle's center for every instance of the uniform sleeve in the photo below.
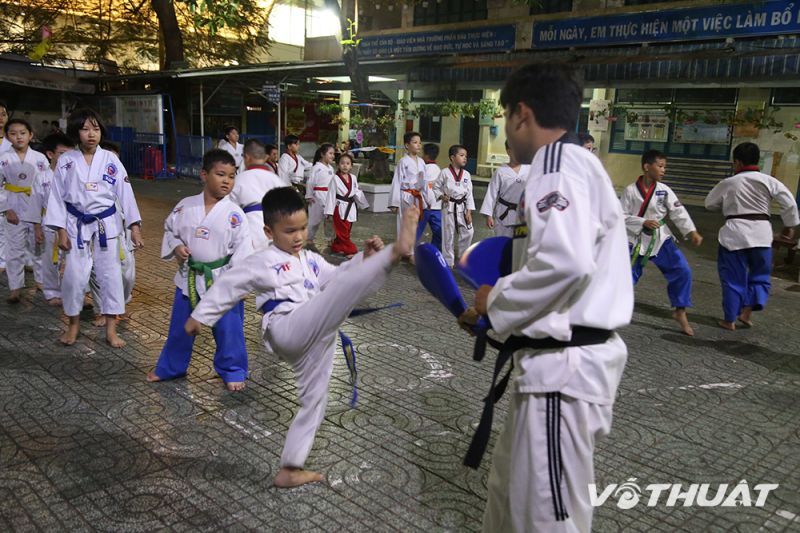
(679, 215)
(492, 192)
(127, 201)
(633, 222)
(438, 186)
(714, 199)
(235, 195)
(312, 181)
(284, 171)
(38, 198)
(171, 238)
(232, 287)
(358, 194)
(781, 194)
(241, 242)
(303, 163)
(56, 215)
(3, 192)
(470, 197)
(330, 202)
(560, 255)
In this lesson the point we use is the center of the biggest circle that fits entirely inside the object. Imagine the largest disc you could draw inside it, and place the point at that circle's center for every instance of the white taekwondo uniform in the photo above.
(319, 184)
(457, 185)
(5, 146)
(571, 270)
(49, 258)
(248, 191)
(236, 151)
(502, 198)
(92, 192)
(17, 178)
(316, 298)
(292, 168)
(408, 186)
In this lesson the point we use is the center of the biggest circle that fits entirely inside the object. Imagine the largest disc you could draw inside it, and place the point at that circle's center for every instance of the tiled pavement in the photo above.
(86, 443)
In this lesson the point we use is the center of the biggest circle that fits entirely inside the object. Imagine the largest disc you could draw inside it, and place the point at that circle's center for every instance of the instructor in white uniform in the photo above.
(557, 313)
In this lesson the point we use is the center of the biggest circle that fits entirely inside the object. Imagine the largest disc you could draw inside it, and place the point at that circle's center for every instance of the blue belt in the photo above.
(348, 349)
(84, 218)
(251, 208)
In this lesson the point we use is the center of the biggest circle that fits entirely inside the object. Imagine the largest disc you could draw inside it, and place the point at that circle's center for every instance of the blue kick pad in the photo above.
(486, 261)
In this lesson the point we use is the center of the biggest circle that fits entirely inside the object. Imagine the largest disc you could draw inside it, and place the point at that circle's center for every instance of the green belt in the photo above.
(207, 270)
(645, 257)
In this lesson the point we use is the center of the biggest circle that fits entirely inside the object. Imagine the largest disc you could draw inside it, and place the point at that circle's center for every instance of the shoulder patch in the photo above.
(314, 267)
(235, 219)
(282, 267)
(554, 199)
(40, 166)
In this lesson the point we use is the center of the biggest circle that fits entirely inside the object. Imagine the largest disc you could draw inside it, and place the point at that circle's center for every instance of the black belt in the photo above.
(456, 202)
(751, 216)
(581, 336)
(509, 207)
(349, 200)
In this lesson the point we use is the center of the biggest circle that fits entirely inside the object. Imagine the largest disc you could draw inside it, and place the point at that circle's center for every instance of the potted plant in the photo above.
(377, 190)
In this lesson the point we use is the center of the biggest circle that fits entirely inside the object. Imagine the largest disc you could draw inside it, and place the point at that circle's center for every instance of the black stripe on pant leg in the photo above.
(564, 514)
(551, 463)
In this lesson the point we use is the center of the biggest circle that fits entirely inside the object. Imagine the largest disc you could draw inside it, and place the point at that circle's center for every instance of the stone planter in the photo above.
(377, 196)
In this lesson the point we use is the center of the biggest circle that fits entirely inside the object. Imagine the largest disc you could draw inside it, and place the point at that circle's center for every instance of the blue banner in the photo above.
(712, 22)
(466, 41)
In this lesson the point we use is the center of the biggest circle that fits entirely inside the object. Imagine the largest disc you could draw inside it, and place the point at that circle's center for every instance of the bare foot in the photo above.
(111, 333)
(730, 326)
(683, 321)
(71, 335)
(288, 477)
(744, 318)
(235, 386)
(123, 317)
(99, 321)
(404, 245)
(39, 287)
(13, 297)
(152, 377)
(55, 302)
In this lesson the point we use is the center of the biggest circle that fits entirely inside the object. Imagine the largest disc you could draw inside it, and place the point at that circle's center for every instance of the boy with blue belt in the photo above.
(207, 234)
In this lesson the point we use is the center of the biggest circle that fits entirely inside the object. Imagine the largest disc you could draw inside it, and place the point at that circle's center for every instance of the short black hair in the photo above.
(291, 139)
(78, 118)
(54, 140)
(269, 148)
(324, 147)
(455, 149)
(111, 146)
(217, 155)
(255, 149)
(409, 135)
(56, 124)
(281, 202)
(584, 138)
(227, 129)
(348, 156)
(4, 105)
(650, 157)
(553, 92)
(747, 153)
(431, 150)
(21, 121)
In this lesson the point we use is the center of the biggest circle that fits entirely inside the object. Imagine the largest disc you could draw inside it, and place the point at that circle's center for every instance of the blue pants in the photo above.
(745, 279)
(432, 217)
(230, 358)
(671, 262)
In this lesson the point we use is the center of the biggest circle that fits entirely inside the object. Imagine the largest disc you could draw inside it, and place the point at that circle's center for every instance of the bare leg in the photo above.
(679, 314)
(290, 476)
(69, 337)
(111, 332)
(744, 317)
(99, 321)
(13, 297)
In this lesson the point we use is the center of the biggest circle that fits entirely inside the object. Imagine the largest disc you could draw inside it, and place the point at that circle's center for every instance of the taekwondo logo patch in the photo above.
(3, 163)
(23, 176)
(111, 170)
(554, 199)
(235, 220)
(307, 284)
(40, 166)
(202, 232)
(92, 186)
(109, 179)
(314, 267)
(67, 166)
(283, 267)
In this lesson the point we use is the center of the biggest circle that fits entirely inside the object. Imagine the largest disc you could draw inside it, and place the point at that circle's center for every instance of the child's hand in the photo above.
(136, 237)
(393, 210)
(11, 217)
(490, 222)
(651, 224)
(373, 245)
(193, 327)
(468, 217)
(696, 238)
(468, 319)
(63, 240)
(309, 201)
(38, 233)
(182, 253)
(445, 198)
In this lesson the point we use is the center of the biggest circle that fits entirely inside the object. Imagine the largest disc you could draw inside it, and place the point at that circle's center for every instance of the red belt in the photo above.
(321, 189)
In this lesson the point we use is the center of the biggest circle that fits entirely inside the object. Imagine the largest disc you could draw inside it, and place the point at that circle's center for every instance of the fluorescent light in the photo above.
(331, 79)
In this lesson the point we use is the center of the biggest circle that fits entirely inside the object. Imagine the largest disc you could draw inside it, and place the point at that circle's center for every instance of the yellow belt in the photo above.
(16, 188)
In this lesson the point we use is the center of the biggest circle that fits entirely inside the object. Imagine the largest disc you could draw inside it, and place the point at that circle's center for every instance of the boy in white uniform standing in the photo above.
(502, 197)
(20, 168)
(251, 186)
(646, 204)
(557, 311)
(744, 259)
(230, 143)
(291, 165)
(88, 184)
(206, 234)
(408, 182)
(306, 301)
(454, 189)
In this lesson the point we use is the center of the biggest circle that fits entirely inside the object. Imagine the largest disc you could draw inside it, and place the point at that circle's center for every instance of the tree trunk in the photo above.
(170, 33)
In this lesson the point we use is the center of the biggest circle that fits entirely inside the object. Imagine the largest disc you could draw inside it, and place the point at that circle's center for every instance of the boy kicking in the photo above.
(305, 299)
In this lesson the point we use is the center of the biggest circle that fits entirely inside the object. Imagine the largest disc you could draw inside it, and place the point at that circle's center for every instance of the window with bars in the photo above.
(446, 11)
(542, 7)
(430, 129)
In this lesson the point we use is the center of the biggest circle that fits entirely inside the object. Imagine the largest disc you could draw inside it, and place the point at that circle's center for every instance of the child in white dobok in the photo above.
(306, 299)
(454, 188)
(503, 195)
